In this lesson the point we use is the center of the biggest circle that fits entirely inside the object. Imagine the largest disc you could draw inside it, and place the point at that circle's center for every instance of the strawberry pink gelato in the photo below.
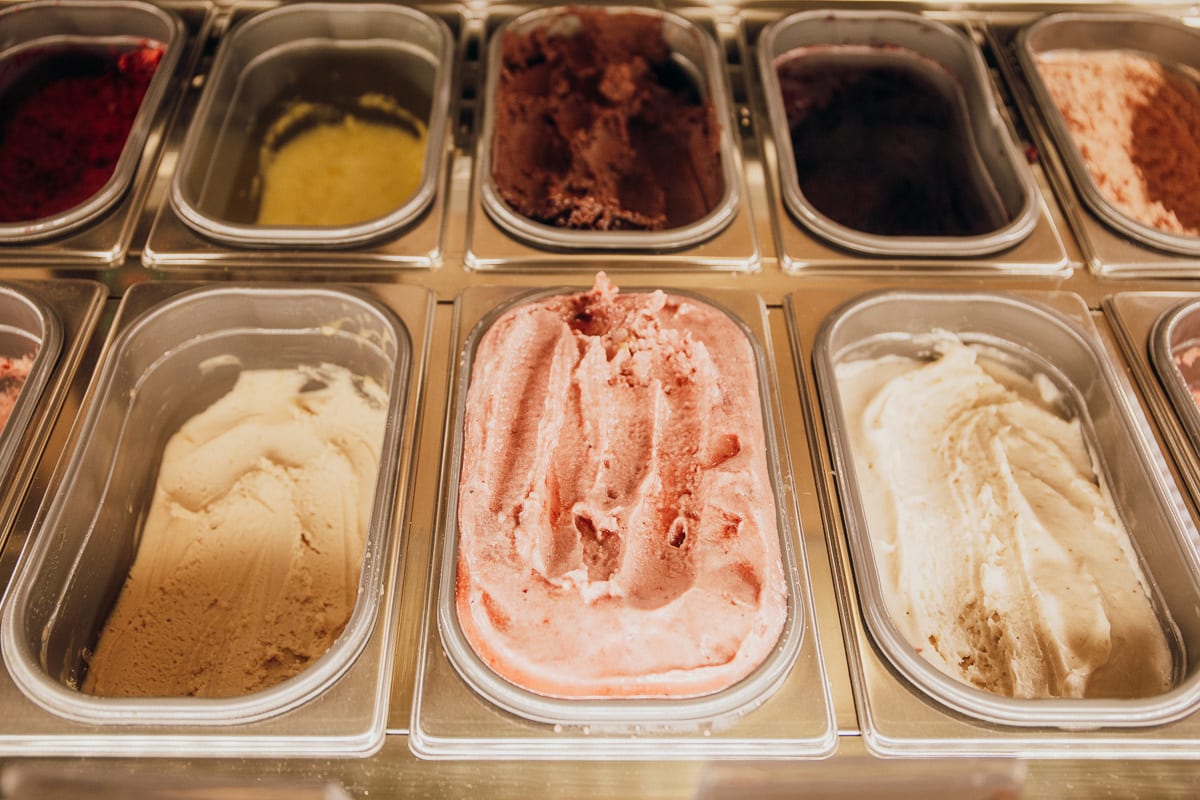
(13, 372)
(617, 524)
(1137, 127)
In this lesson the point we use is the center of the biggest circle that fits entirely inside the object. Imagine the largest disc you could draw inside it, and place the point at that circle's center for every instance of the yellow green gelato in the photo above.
(321, 166)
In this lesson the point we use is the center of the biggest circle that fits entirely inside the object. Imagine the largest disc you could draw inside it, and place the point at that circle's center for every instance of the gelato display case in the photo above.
(615, 542)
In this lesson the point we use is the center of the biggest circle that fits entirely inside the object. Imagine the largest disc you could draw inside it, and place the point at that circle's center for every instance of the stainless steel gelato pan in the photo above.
(1160, 40)
(1066, 376)
(84, 173)
(693, 62)
(175, 361)
(474, 695)
(29, 329)
(302, 87)
(970, 195)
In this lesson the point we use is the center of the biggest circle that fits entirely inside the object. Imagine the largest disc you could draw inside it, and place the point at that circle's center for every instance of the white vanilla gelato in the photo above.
(1003, 559)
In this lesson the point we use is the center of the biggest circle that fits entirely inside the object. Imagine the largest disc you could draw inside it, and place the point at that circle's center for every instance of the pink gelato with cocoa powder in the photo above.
(1137, 126)
(617, 523)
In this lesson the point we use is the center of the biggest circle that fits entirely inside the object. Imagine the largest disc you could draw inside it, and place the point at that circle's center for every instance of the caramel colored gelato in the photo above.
(1137, 127)
(248, 564)
(616, 520)
(599, 129)
(321, 166)
(1003, 558)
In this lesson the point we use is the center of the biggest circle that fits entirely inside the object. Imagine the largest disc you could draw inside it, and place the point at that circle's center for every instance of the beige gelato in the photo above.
(617, 523)
(1137, 126)
(1003, 558)
(249, 560)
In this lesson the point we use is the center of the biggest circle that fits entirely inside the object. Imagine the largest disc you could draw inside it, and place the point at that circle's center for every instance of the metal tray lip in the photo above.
(323, 672)
(1169, 376)
(333, 236)
(552, 237)
(45, 360)
(609, 713)
(1017, 230)
(1068, 150)
(1012, 713)
(29, 231)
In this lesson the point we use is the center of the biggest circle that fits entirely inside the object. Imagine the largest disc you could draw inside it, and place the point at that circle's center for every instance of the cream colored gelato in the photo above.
(1003, 558)
(1137, 127)
(617, 523)
(340, 168)
(250, 555)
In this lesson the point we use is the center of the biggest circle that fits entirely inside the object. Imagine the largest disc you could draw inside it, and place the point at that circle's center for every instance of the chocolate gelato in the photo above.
(599, 129)
(882, 144)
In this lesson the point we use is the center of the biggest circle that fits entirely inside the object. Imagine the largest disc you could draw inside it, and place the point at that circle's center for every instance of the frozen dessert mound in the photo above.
(13, 374)
(882, 144)
(1003, 558)
(324, 166)
(1137, 127)
(599, 129)
(249, 560)
(63, 126)
(616, 520)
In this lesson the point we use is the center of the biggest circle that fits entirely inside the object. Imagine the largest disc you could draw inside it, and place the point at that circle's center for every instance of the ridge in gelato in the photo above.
(882, 142)
(1003, 558)
(64, 122)
(617, 524)
(600, 129)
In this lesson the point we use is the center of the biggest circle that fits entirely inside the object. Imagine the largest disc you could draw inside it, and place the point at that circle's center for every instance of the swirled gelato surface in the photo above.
(617, 525)
(1137, 127)
(1003, 558)
(249, 561)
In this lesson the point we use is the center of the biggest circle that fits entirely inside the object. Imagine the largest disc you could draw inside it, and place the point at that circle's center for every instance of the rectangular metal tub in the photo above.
(996, 156)
(1174, 45)
(1037, 339)
(462, 709)
(694, 51)
(324, 52)
(29, 28)
(170, 363)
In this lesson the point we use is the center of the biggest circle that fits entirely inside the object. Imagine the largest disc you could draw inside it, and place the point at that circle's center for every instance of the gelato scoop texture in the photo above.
(249, 561)
(599, 129)
(1003, 558)
(1137, 127)
(617, 525)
